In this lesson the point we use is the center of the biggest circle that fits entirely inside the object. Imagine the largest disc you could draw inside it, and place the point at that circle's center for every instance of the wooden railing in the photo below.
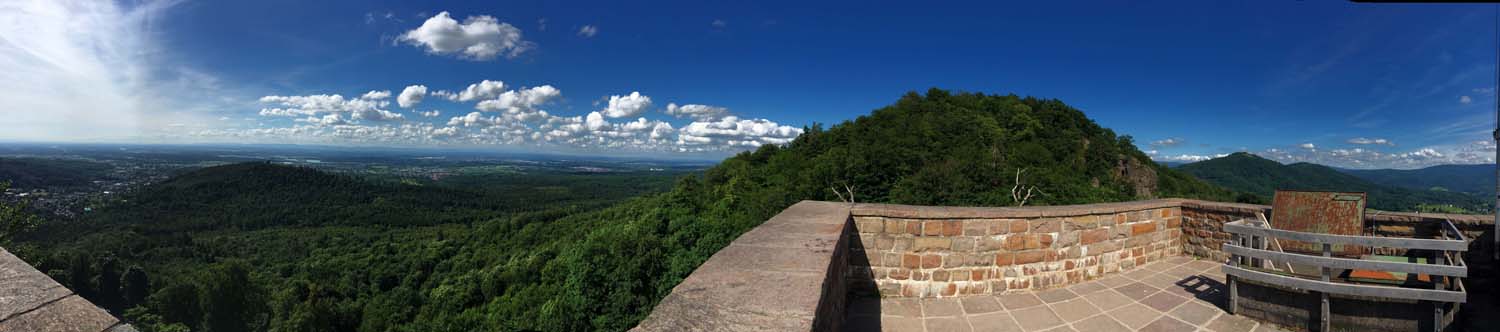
(1248, 256)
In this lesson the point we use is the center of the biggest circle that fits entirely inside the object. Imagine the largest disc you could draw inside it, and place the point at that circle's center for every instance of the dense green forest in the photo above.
(1477, 180)
(1262, 177)
(265, 247)
(42, 173)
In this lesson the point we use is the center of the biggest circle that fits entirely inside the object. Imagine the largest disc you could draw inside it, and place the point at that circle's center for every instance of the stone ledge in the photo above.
(778, 276)
(970, 212)
(30, 301)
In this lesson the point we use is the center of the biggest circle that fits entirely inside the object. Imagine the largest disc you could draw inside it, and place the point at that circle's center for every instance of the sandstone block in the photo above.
(1094, 236)
(990, 243)
(1019, 226)
(910, 261)
(867, 224)
(1066, 239)
(1046, 225)
(932, 243)
(940, 275)
(913, 227)
(976, 227)
(1016, 241)
(952, 228)
(932, 261)
(963, 244)
(895, 226)
(1031, 256)
(1142, 228)
(1080, 223)
(932, 228)
(1005, 259)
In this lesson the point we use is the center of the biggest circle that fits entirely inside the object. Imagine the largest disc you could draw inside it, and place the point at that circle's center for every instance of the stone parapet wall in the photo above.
(925, 251)
(1203, 223)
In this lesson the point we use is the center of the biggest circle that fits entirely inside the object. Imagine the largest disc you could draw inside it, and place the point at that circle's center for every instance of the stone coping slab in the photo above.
(30, 301)
(773, 278)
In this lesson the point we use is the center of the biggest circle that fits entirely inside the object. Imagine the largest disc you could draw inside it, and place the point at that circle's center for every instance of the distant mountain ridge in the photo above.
(1478, 180)
(1253, 174)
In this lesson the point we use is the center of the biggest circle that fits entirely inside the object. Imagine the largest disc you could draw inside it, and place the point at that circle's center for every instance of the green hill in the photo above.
(1477, 180)
(320, 253)
(1253, 174)
(29, 173)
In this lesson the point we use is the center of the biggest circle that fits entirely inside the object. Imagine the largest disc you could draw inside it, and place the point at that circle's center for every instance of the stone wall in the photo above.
(926, 251)
(1203, 223)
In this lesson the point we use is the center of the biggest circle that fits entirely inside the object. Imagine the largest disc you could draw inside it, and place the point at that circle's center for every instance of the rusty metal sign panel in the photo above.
(1322, 212)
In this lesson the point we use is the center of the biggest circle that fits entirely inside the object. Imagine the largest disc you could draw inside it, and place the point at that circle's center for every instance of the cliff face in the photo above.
(1141, 177)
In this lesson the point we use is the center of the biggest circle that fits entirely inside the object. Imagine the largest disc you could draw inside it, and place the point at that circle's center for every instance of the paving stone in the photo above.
(1056, 295)
(1192, 286)
(1140, 273)
(947, 324)
(1063, 328)
(1161, 281)
(901, 324)
(1036, 318)
(1168, 324)
(1174, 261)
(1202, 265)
(1018, 301)
(1074, 310)
(1136, 291)
(980, 304)
(1135, 315)
(1108, 300)
(901, 307)
(1231, 323)
(996, 322)
(1194, 313)
(1114, 280)
(1099, 323)
(1163, 301)
(941, 307)
(1087, 287)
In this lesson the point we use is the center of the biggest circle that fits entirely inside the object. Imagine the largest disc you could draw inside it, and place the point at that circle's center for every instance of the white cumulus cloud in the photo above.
(696, 112)
(627, 105)
(1465, 100)
(1370, 141)
(411, 96)
(588, 31)
(478, 38)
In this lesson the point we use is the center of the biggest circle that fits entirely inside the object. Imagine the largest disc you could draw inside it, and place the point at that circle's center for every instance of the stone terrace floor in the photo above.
(1174, 294)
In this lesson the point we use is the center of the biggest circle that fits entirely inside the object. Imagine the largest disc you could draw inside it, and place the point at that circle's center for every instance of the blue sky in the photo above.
(1349, 85)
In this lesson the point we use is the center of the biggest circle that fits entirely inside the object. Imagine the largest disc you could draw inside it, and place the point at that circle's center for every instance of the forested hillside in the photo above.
(1477, 180)
(43, 173)
(280, 264)
(1262, 177)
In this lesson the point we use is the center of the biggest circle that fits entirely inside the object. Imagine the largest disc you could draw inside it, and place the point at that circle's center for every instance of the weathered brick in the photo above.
(976, 227)
(1120, 218)
(890, 259)
(1119, 232)
(900, 274)
(1065, 239)
(1142, 228)
(1174, 222)
(912, 290)
(903, 244)
(932, 228)
(998, 226)
(965, 244)
(1030, 256)
(885, 242)
(911, 261)
(867, 224)
(1080, 222)
(1019, 226)
(931, 261)
(920, 275)
(978, 274)
(1046, 225)
(990, 243)
(940, 275)
(895, 226)
(1005, 259)
(952, 228)
(1016, 241)
(932, 243)
(1033, 241)
(950, 290)
(1046, 240)
(1094, 236)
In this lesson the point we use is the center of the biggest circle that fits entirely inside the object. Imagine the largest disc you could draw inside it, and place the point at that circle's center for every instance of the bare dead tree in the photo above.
(1022, 193)
(847, 189)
